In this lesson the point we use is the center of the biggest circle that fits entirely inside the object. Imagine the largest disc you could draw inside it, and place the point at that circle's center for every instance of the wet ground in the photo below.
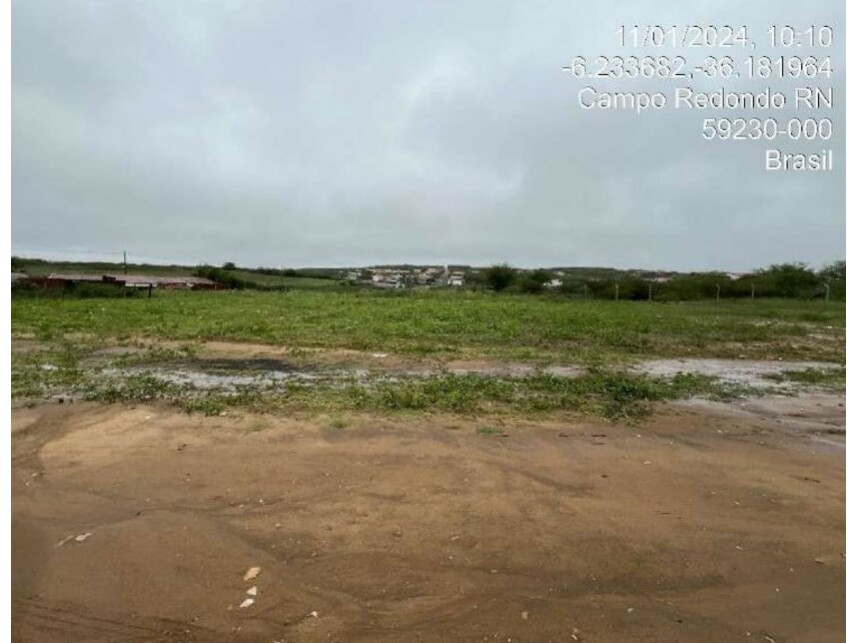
(709, 522)
(227, 373)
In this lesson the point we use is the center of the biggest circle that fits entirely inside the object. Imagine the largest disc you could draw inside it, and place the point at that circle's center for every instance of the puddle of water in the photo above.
(746, 372)
(225, 381)
(229, 374)
(259, 364)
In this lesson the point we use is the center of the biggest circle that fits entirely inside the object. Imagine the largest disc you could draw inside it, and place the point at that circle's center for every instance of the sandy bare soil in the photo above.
(706, 523)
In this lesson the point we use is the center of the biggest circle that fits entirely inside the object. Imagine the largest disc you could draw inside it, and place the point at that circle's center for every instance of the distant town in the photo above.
(456, 276)
(143, 276)
(37, 277)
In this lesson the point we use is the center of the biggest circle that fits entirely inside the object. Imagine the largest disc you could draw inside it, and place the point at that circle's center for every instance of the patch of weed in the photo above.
(489, 430)
(819, 377)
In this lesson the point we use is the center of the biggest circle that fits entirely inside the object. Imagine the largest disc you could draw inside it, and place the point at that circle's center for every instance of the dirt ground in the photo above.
(708, 522)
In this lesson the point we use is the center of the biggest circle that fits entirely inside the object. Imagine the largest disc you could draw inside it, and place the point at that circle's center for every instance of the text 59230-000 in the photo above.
(717, 69)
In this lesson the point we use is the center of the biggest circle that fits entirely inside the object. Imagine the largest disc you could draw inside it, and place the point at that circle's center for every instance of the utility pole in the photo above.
(717, 295)
(752, 292)
(616, 288)
(650, 291)
(125, 261)
(826, 292)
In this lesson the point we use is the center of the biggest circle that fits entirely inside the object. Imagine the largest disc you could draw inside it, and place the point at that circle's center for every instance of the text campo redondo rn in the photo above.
(768, 128)
(801, 114)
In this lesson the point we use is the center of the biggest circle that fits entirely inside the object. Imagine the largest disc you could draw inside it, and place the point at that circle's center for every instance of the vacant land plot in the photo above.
(427, 467)
(458, 352)
(455, 324)
(140, 524)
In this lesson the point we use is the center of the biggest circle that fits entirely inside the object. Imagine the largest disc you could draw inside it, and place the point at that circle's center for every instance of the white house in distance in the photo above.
(407, 276)
(387, 279)
(456, 279)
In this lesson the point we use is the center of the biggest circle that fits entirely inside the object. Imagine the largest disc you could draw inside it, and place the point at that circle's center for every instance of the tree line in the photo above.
(789, 280)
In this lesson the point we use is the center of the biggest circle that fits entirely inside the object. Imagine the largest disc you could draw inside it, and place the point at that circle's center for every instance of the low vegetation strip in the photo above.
(90, 349)
(453, 324)
(178, 377)
(612, 395)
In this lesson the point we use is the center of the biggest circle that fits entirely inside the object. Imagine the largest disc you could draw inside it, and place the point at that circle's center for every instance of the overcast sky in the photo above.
(320, 132)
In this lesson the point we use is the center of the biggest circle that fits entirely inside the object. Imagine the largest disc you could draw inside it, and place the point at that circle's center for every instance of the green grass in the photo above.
(818, 377)
(454, 324)
(337, 422)
(610, 394)
(602, 336)
(296, 283)
(489, 430)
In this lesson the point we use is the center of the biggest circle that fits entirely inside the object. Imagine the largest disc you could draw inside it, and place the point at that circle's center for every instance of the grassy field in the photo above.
(62, 354)
(291, 283)
(455, 324)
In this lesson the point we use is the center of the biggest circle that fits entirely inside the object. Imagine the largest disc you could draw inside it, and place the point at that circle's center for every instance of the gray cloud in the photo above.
(333, 133)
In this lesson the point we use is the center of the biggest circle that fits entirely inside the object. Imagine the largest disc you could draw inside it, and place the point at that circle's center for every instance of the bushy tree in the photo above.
(834, 276)
(223, 277)
(788, 280)
(535, 281)
(833, 272)
(499, 276)
(701, 285)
